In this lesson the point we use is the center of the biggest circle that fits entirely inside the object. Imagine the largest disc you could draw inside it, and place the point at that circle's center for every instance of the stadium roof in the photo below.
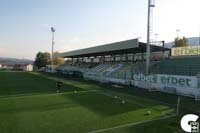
(123, 47)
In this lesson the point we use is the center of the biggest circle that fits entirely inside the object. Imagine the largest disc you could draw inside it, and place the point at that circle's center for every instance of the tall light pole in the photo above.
(150, 6)
(52, 30)
(178, 104)
(177, 31)
(199, 37)
(156, 35)
(139, 38)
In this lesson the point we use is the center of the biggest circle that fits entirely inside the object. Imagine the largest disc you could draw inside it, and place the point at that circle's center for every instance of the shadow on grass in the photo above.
(98, 103)
(48, 106)
(101, 104)
(22, 83)
(186, 104)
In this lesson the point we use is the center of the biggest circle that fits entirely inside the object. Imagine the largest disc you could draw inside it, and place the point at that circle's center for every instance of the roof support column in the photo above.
(103, 58)
(113, 58)
(126, 57)
(142, 56)
(92, 59)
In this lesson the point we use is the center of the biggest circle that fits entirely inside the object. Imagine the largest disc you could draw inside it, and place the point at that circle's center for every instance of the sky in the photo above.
(25, 24)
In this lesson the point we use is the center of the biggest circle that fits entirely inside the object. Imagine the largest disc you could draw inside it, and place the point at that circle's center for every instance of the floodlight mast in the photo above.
(177, 33)
(178, 105)
(156, 35)
(150, 5)
(52, 30)
(199, 38)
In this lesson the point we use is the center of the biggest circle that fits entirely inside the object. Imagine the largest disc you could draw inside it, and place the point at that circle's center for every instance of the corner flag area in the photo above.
(29, 103)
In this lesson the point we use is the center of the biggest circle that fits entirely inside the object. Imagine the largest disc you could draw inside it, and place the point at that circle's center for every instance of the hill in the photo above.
(12, 61)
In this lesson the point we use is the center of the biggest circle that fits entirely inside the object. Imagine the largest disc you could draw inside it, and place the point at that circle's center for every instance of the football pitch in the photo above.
(29, 104)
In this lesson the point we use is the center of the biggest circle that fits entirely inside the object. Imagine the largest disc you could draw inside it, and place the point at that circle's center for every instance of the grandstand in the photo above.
(115, 60)
(124, 63)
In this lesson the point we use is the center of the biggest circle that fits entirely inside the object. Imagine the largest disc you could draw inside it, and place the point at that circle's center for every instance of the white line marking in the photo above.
(43, 94)
(132, 124)
(109, 95)
(144, 98)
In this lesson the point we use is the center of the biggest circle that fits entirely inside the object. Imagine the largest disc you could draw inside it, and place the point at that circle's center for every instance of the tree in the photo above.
(42, 59)
(181, 42)
(57, 59)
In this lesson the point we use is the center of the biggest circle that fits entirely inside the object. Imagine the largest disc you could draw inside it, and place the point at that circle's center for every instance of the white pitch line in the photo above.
(109, 95)
(43, 94)
(149, 99)
(130, 101)
(131, 124)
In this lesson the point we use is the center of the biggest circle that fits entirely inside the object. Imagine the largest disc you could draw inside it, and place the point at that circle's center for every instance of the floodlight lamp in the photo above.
(52, 29)
(152, 3)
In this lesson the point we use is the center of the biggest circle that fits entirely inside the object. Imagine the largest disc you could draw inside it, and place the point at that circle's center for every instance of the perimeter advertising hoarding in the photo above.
(176, 84)
(182, 85)
(175, 80)
(184, 51)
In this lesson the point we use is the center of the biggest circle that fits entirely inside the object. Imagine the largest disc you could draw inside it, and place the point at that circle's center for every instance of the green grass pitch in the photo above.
(29, 104)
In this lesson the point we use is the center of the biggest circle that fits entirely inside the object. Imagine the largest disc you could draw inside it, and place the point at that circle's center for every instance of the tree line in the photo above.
(44, 58)
(181, 42)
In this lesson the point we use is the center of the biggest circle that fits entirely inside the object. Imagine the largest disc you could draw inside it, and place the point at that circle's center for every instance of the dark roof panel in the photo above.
(128, 44)
(123, 47)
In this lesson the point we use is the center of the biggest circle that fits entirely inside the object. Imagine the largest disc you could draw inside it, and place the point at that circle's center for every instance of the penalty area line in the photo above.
(43, 94)
(132, 124)
(121, 98)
